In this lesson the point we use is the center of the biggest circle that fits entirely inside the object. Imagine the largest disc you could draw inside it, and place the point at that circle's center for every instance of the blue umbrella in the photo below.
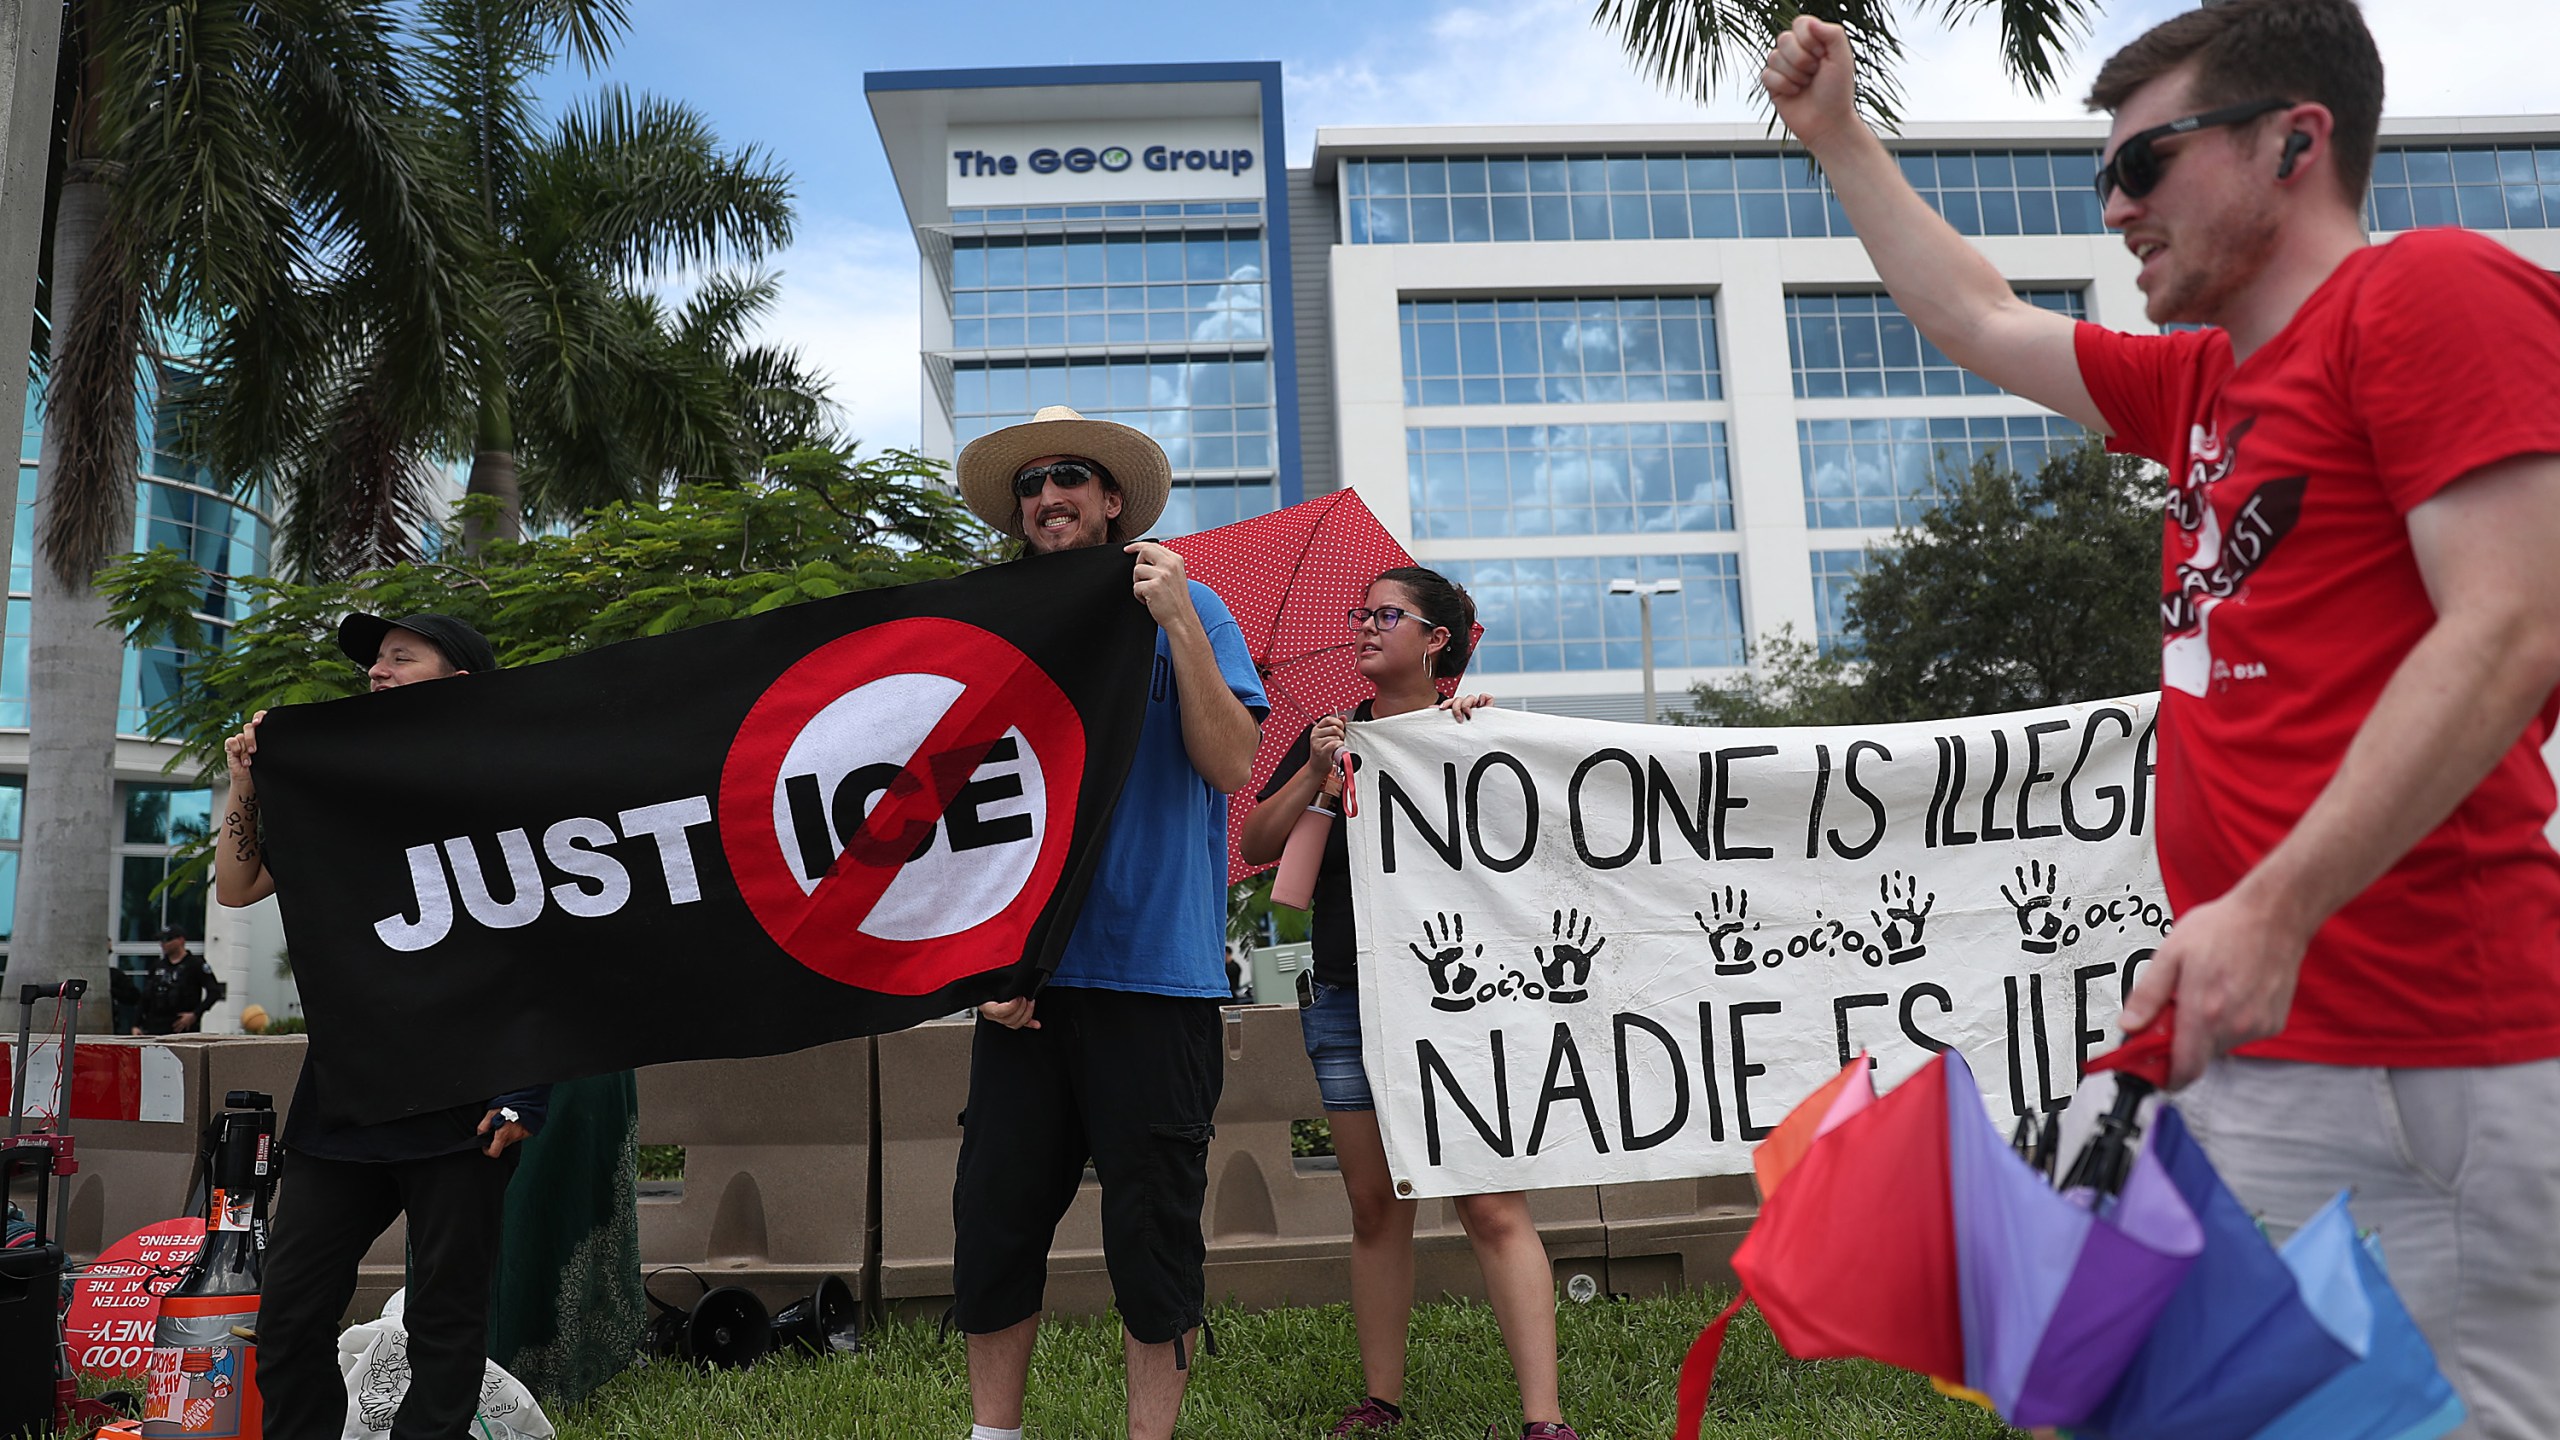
(2246, 1336)
(2393, 1391)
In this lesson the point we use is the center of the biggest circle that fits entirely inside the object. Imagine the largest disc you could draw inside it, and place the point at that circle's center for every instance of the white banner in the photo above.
(1593, 952)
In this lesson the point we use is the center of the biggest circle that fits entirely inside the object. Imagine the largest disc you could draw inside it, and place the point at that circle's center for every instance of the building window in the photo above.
(158, 821)
(1885, 473)
(1559, 351)
(2482, 187)
(1013, 292)
(1209, 413)
(1835, 575)
(226, 538)
(1712, 196)
(1197, 505)
(1567, 479)
(1860, 344)
(1018, 214)
(1556, 613)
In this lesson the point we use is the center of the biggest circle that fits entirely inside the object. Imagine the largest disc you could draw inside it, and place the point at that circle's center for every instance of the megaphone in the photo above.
(728, 1328)
(825, 1323)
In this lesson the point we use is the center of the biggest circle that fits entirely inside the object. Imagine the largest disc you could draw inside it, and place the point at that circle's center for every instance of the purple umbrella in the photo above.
(2059, 1290)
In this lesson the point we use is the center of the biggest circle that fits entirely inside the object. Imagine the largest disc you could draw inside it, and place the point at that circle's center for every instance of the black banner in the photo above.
(835, 819)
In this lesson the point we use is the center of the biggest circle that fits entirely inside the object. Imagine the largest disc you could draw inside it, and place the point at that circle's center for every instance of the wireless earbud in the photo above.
(2294, 145)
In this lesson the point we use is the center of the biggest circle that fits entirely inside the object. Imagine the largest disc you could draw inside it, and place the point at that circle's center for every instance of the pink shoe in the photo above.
(1366, 1416)
(1548, 1430)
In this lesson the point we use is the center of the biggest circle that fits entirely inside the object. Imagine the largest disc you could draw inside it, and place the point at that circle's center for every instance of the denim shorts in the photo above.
(1331, 1020)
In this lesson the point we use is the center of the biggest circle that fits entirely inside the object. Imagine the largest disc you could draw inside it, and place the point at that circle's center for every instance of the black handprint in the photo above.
(2043, 926)
(1902, 920)
(1567, 963)
(1726, 914)
(1451, 975)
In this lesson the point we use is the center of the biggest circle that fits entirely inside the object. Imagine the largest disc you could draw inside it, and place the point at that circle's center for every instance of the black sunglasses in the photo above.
(2135, 167)
(1068, 474)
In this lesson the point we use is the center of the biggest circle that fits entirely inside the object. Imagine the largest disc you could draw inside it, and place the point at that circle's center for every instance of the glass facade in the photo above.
(157, 820)
(1835, 575)
(175, 505)
(1560, 351)
(1556, 613)
(1713, 196)
(1159, 322)
(1884, 473)
(1042, 291)
(1859, 344)
(1502, 480)
(2483, 187)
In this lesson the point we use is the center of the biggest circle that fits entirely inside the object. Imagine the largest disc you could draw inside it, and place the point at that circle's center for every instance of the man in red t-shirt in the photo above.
(2360, 614)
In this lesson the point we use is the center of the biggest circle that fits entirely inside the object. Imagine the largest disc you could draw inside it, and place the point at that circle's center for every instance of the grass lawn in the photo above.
(1286, 1373)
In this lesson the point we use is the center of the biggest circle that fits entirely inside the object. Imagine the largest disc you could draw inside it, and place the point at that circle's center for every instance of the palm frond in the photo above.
(1697, 47)
(643, 186)
(2035, 35)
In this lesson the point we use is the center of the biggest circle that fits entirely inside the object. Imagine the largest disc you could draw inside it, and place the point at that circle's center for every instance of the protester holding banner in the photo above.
(446, 1169)
(1118, 1059)
(2361, 639)
(1412, 630)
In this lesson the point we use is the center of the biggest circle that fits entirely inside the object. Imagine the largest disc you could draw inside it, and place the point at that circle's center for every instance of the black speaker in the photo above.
(825, 1323)
(728, 1327)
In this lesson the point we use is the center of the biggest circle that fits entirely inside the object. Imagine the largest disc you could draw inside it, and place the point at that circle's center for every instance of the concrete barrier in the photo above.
(1667, 1235)
(839, 1161)
(1278, 1228)
(777, 1182)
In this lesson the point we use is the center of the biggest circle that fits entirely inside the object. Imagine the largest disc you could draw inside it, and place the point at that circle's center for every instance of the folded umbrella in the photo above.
(1909, 1232)
(2394, 1390)
(2249, 1333)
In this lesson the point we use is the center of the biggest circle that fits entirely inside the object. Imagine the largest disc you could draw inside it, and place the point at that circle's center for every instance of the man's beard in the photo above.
(2219, 260)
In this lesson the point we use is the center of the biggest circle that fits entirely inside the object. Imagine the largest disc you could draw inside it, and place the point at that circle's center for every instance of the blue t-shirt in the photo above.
(1156, 917)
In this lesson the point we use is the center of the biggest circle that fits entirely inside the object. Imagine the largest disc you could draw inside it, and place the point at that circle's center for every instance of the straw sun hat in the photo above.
(1135, 460)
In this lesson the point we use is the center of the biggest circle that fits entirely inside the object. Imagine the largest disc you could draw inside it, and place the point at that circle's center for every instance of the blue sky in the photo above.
(786, 75)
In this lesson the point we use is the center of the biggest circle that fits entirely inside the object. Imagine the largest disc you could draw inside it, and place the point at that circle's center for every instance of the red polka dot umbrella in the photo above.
(1289, 576)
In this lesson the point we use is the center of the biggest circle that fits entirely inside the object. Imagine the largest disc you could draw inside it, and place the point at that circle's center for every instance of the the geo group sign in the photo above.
(1595, 953)
(834, 819)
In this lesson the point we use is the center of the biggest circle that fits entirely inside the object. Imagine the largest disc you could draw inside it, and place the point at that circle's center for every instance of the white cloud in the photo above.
(849, 304)
(849, 292)
(1543, 61)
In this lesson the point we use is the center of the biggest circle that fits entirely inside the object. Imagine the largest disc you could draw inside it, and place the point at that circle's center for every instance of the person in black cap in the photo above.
(447, 1169)
(175, 991)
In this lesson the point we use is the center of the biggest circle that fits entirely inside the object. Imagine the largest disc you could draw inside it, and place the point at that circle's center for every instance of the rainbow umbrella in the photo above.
(1909, 1232)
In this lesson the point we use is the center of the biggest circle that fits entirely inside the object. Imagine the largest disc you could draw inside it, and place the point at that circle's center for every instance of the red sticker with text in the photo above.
(896, 807)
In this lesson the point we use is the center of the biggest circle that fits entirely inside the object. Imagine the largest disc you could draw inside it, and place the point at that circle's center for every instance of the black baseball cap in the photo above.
(360, 637)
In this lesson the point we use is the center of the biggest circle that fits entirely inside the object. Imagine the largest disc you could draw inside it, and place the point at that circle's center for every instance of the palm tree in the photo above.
(623, 191)
(1695, 46)
(211, 153)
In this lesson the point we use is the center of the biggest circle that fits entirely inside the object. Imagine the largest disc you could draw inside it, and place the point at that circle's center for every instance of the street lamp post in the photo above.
(1644, 591)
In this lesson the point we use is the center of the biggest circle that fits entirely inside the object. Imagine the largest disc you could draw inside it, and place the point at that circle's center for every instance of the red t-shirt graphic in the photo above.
(2289, 595)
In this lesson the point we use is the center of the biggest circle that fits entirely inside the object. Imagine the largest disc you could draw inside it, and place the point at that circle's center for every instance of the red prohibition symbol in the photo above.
(896, 806)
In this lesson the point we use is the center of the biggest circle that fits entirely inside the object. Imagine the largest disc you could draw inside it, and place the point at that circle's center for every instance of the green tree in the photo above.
(2010, 594)
(208, 154)
(825, 521)
(568, 382)
(1695, 46)
(571, 404)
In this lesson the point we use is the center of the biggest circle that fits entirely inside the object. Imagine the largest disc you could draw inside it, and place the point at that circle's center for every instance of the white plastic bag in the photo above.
(374, 1358)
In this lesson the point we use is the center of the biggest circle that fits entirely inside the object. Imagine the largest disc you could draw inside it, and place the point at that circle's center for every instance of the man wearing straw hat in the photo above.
(1118, 1058)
